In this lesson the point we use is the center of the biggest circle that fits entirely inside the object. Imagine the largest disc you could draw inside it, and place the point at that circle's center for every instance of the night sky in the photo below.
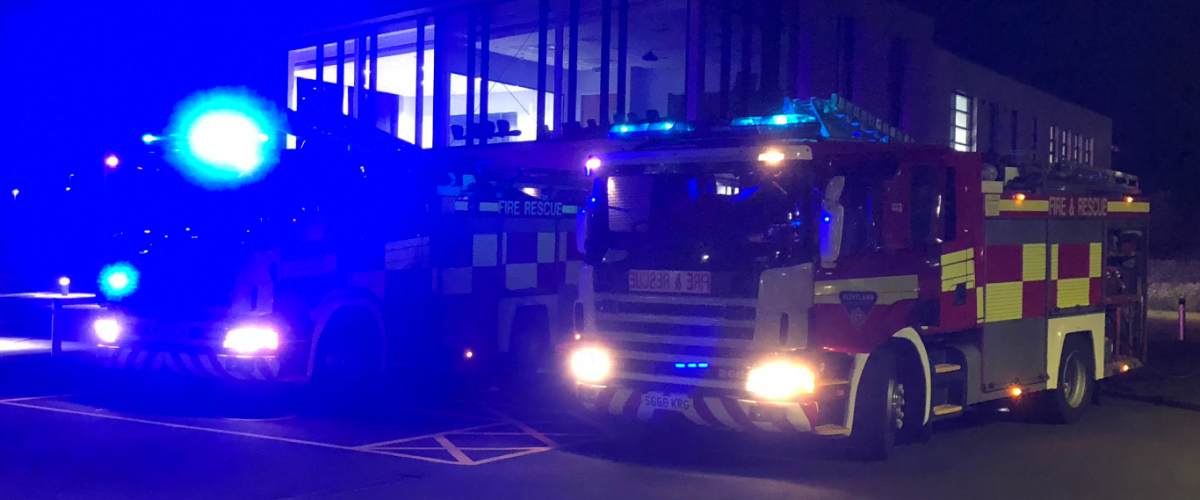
(81, 78)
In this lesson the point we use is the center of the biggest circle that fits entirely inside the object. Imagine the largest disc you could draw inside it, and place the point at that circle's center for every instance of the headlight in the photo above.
(590, 364)
(247, 340)
(780, 380)
(107, 330)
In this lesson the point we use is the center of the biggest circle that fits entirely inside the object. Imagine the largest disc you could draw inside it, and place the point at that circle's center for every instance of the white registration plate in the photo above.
(670, 281)
(667, 402)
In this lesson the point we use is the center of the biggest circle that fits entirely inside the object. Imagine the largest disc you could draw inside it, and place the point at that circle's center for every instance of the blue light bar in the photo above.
(773, 120)
(647, 129)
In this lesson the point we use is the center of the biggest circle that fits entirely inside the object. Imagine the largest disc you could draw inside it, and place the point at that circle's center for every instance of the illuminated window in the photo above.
(1064, 151)
(1088, 150)
(963, 138)
(1075, 147)
(1053, 144)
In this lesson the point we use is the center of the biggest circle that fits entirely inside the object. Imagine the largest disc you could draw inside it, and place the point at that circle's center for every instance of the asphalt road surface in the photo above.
(72, 440)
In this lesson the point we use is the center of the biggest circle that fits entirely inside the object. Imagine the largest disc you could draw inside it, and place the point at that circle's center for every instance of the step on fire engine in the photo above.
(817, 272)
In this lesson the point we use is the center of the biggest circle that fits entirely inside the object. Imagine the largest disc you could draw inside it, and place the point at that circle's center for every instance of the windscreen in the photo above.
(694, 217)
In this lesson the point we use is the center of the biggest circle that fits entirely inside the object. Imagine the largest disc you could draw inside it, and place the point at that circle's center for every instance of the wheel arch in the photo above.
(1088, 326)
(907, 345)
(347, 301)
(508, 309)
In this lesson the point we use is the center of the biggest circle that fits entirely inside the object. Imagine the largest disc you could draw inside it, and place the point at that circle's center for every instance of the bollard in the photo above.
(1182, 316)
(55, 336)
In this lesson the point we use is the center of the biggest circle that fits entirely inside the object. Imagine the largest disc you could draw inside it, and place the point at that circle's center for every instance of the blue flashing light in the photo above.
(825, 219)
(647, 129)
(774, 120)
(228, 137)
(118, 280)
(149, 138)
(691, 365)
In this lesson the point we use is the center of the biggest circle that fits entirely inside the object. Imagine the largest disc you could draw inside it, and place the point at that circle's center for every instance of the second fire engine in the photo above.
(817, 272)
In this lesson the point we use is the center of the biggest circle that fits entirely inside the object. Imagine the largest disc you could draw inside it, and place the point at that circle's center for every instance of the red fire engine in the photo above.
(349, 257)
(816, 271)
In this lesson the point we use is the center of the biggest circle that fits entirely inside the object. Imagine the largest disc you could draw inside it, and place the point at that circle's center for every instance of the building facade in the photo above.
(474, 72)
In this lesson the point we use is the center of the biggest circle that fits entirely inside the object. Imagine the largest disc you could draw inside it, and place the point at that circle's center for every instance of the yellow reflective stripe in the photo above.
(1073, 292)
(1094, 269)
(1054, 261)
(955, 270)
(1129, 206)
(1011, 205)
(950, 284)
(979, 295)
(959, 256)
(1004, 301)
(1033, 262)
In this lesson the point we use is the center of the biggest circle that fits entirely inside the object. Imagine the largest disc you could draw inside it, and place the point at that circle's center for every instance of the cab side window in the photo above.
(933, 198)
(922, 205)
(862, 229)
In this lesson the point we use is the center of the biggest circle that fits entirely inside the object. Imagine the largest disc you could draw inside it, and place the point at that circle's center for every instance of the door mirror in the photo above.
(583, 223)
(832, 217)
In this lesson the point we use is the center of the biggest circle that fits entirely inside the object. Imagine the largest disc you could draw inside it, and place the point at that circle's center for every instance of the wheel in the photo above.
(349, 361)
(1076, 384)
(878, 408)
(530, 345)
(911, 391)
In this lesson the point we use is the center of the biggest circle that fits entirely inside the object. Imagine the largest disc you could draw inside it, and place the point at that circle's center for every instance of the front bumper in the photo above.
(201, 362)
(707, 409)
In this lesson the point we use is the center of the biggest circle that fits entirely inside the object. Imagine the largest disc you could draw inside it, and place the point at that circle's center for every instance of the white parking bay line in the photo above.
(31, 398)
(221, 431)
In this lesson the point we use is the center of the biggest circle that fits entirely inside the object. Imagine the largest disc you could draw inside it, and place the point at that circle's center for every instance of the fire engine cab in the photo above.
(816, 271)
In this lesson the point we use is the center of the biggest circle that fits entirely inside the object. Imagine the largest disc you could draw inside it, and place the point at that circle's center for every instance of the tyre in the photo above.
(1076, 383)
(530, 345)
(878, 408)
(349, 361)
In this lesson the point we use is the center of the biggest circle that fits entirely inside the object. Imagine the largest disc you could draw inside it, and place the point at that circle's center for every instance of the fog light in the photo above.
(590, 364)
(247, 340)
(107, 330)
(780, 380)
